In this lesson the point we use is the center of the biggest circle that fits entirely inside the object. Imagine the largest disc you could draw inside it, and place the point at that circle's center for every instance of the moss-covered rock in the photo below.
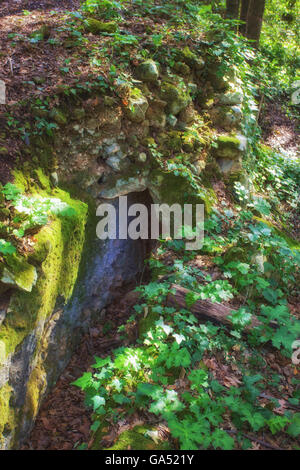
(230, 146)
(182, 69)
(156, 114)
(137, 106)
(17, 272)
(176, 97)
(56, 259)
(58, 116)
(231, 98)
(46, 277)
(191, 58)
(148, 71)
(7, 415)
(216, 77)
(226, 117)
(169, 188)
(98, 27)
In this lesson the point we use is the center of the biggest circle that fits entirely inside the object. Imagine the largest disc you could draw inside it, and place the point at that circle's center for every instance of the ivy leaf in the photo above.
(7, 248)
(164, 401)
(18, 233)
(191, 298)
(121, 399)
(11, 192)
(98, 402)
(262, 206)
(294, 428)
(101, 362)
(166, 328)
(84, 381)
(147, 389)
(117, 384)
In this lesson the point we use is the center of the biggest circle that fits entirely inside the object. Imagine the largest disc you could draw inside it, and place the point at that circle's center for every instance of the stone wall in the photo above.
(168, 134)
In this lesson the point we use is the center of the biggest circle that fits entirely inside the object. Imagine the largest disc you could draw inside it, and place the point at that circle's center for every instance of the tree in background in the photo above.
(243, 16)
(250, 12)
(232, 9)
(254, 20)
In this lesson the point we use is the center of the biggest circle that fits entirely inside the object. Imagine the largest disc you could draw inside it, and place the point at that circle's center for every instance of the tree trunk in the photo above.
(243, 16)
(232, 9)
(254, 20)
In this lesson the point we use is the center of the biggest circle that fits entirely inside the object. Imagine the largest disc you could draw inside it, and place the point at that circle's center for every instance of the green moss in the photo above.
(170, 142)
(3, 151)
(175, 96)
(36, 386)
(137, 106)
(42, 179)
(7, 417)
(228, 147)
(209, 199)
(191, 58)
(170, 188)
(182, 68)
(57, 257)
(18, 272)
(228, 141)
(21, 180)
(98, 27)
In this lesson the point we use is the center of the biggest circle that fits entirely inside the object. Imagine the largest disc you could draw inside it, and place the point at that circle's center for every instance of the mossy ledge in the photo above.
(56, 259)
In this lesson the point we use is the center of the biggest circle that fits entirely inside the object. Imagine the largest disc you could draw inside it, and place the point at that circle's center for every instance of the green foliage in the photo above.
(105, 9)
(276, 174)
(6, 248)
(27, 214)
(279, 60)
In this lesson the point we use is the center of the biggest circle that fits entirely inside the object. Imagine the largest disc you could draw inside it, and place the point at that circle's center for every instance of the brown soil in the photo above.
(279, 131)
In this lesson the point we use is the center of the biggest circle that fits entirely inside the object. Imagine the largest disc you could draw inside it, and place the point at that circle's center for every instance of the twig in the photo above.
(286, 403)
(254, 439)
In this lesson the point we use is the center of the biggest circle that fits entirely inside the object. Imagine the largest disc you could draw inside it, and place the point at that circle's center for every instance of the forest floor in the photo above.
(280, 131)
(64, 422)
